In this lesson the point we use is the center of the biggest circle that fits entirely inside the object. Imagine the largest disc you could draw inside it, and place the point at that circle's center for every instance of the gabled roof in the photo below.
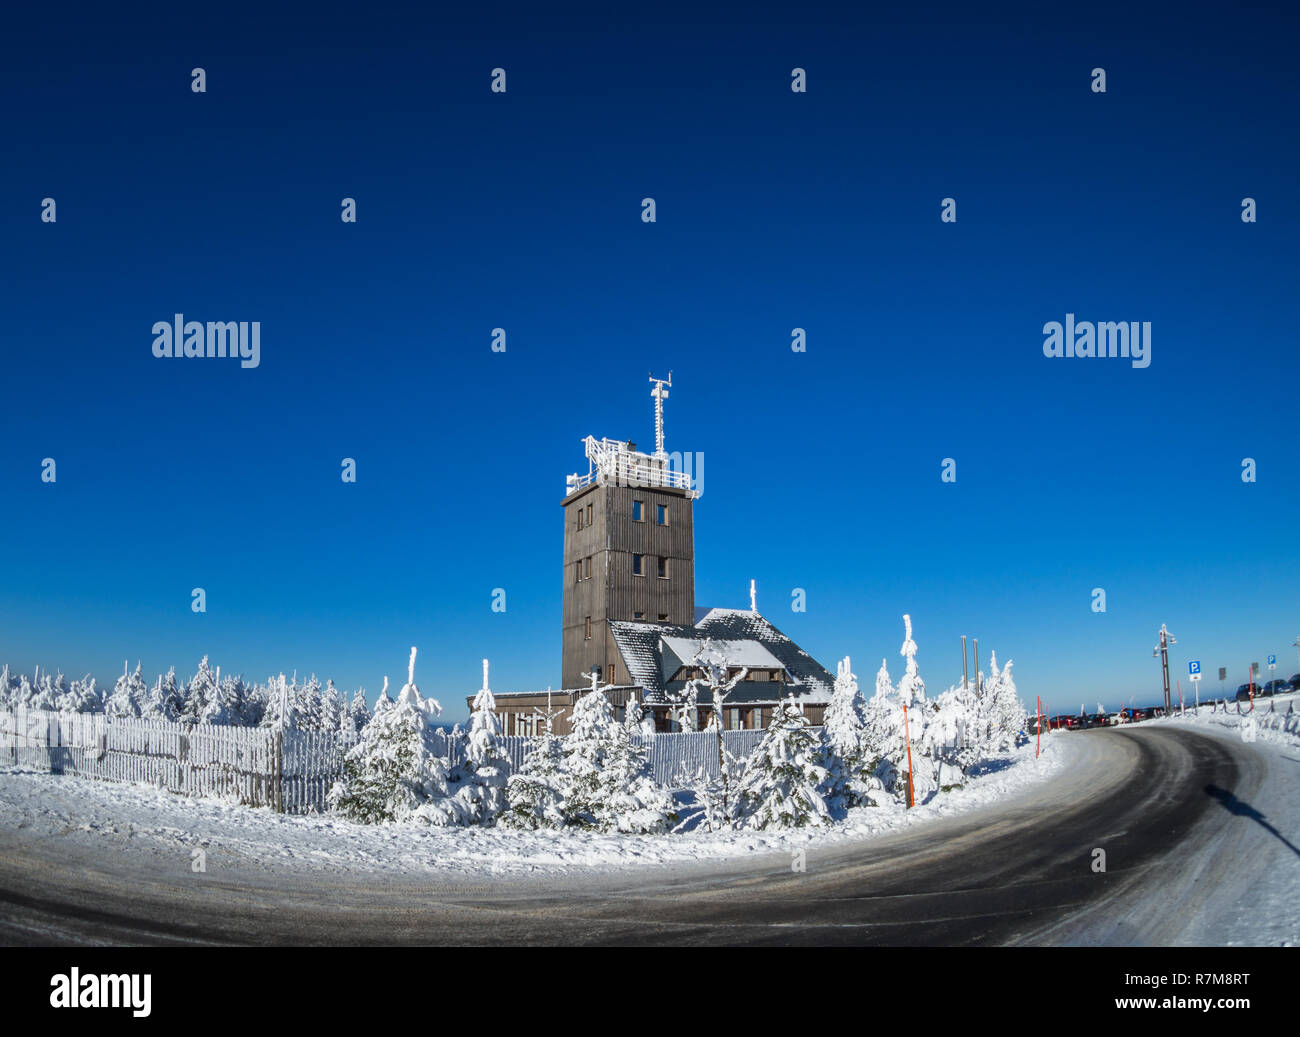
(650, 650)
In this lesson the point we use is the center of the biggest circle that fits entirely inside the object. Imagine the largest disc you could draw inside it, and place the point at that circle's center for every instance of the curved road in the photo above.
(1170, 807)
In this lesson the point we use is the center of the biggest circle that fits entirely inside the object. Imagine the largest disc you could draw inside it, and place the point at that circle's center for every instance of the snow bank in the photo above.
(115, 818)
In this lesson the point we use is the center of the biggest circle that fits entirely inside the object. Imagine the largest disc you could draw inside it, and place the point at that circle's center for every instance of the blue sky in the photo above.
(774, 211)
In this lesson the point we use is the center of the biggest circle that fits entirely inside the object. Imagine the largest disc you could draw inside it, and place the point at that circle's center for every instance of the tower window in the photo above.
(661, 514)
(663, 568)
(663, 617)
(638, 565)
(638, 511)
(587, 571)
(588, 634)
(638, 615)
(577, 572)
(589, 514)
(579, 518)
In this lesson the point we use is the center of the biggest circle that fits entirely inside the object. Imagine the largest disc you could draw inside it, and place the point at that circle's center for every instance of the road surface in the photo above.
(1173, 810)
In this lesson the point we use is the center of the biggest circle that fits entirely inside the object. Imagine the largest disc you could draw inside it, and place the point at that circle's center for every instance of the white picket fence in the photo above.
(289, 771)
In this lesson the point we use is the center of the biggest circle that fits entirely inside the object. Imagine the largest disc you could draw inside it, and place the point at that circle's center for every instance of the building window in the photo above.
(661, 514)
(577, 572)
(663, 617)
(587, 571)
(638, 565)
(579, 520)
(663, 568)
(589, 514)
(638, 615)
(588, 634)
(638, 511)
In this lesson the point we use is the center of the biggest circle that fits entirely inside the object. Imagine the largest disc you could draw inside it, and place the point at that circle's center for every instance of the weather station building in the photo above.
(629, 615)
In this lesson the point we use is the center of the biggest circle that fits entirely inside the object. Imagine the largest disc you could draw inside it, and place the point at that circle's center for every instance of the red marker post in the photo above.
(911, 795)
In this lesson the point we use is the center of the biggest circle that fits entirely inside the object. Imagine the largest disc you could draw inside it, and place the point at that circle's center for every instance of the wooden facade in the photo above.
(611, 531)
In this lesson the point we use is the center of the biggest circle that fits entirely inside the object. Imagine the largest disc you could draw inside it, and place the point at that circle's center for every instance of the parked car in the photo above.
(1244, 692)
(1034, 723)
(1097, 720)
(1295, 682)
(1277, 687)
(1065, 722)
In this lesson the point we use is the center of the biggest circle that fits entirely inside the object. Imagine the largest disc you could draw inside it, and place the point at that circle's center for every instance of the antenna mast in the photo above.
(660, 393)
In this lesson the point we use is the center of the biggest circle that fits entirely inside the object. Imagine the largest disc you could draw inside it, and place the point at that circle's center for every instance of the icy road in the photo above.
(1197, 829)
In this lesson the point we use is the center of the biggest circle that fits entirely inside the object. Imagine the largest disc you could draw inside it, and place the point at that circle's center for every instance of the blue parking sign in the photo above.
(1272, 660)
(1194, 666)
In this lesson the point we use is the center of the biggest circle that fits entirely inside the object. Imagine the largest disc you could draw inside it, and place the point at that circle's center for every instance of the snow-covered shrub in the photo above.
(782, 781)
(605, 782)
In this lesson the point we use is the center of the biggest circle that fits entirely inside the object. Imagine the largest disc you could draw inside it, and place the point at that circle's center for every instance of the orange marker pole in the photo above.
(1180, 695)
(911, 795)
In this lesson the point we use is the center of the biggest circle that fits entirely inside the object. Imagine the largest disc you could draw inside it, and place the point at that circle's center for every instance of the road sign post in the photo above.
(1194, 674)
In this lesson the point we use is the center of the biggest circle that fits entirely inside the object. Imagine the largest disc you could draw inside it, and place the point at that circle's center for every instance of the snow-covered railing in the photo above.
(612, 460)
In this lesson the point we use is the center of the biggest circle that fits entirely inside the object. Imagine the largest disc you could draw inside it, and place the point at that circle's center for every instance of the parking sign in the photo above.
(1194, 669)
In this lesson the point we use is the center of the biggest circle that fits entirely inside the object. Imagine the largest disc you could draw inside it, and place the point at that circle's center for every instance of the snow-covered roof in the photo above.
(653, 652)
(682, 651)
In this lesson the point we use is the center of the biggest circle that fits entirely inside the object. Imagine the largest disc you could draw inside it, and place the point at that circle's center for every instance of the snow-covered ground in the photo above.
(109, 818)
(1256, 900)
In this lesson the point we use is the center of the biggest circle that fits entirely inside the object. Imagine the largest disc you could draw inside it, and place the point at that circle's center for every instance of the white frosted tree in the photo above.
(605, 779)
(82, 696)
(166, 700)
(391, 774)
(331, 708)
(201, 690)
(716, 683)
(783, 778)
(482, 778)
(358, 713)
(1003, 711)
(849, 760)
(384, 700)
(227, 704)
(535, 792)
(129, 695)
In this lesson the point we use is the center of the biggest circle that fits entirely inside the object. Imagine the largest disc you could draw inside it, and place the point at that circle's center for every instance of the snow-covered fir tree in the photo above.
(391, 774)
(606, 783)
(782, 782)
(849, 760)
(955, 733)
(82, 696)
(1002, 709)
(535, 792)
(226, 704)
(384, 700)
(358, 713)
(482, 779)
(129, 694)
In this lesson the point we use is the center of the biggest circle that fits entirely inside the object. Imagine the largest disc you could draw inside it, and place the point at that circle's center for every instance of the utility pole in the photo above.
(1296, 645)
(965, 682)
(1162, 650)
